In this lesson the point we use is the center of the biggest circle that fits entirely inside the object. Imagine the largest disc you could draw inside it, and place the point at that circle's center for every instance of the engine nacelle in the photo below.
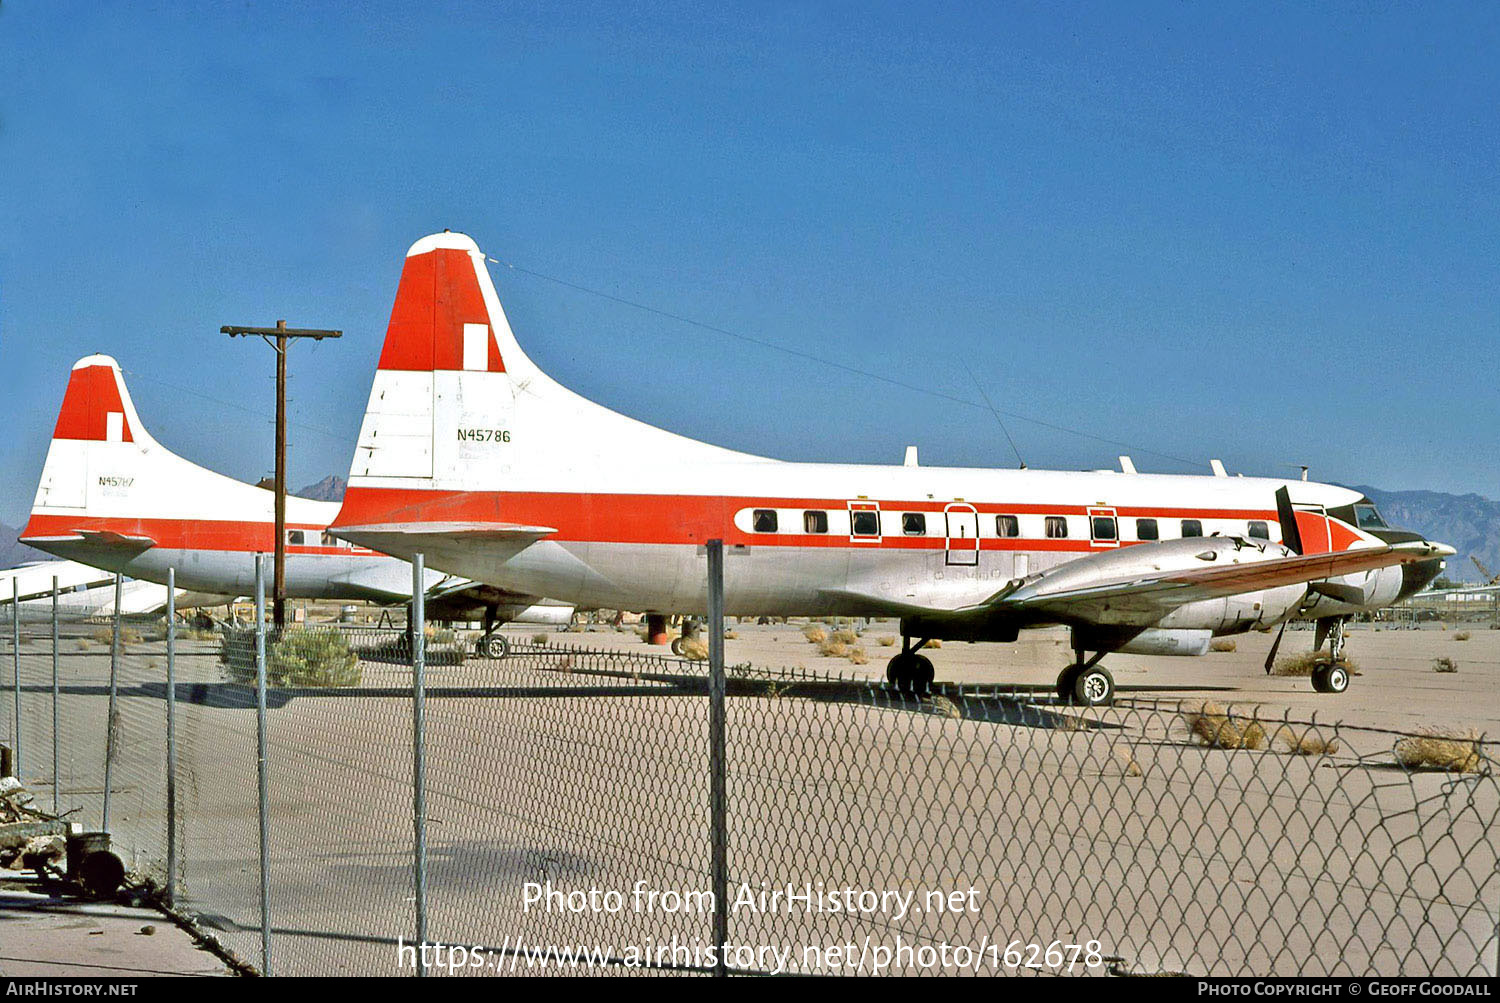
(1156, 641)
(542, 614)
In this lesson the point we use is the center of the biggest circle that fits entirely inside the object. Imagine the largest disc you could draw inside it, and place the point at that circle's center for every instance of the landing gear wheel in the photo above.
(677, 646)
(1093, 687)
(493, 646)
(1065, 680)
(1330, 677)
(910, 672)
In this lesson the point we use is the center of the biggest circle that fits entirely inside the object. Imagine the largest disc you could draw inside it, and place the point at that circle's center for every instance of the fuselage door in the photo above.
(1104, 527)
(963, 534)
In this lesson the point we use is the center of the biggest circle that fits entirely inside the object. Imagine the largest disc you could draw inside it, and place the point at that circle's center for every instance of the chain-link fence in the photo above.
(568, 815)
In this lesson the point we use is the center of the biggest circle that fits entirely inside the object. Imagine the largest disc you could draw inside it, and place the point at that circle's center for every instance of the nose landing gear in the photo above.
(1331, 676)
(910, 672)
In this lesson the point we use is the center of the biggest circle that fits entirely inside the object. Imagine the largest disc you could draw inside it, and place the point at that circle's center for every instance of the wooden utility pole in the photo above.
(279, 337)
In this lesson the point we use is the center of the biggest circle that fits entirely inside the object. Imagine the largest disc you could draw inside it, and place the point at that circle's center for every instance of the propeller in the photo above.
(1291, 538)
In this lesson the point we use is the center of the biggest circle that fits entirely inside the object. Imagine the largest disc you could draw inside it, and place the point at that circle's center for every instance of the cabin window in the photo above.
(1007, 525)
(294, 538)
(814, 522)
(914, 523)
(1057, 527)
(1145, 529)
(865, 522)
(764, 520)
(1259, 530)
(1104, 527)
(1192, 527)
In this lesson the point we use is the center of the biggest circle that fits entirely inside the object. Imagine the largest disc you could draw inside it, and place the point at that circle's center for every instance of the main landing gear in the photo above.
(1332, 676)
(492, 643)
(1086, 682)
(909, 671)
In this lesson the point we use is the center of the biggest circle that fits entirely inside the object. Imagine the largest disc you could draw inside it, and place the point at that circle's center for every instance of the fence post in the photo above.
(171, 735)
(56, 740)
(114, 699)
(717, 794)
(260, 763)
(419, 753)
(15, 642)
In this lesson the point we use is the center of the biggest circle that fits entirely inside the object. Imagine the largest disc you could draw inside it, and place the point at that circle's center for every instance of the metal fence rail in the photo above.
(995, 830)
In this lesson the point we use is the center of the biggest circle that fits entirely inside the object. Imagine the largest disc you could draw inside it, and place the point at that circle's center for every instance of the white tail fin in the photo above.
(457, 406)
(104, 471)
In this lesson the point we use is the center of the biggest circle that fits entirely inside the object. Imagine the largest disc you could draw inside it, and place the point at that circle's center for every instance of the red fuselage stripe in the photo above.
(689, 519)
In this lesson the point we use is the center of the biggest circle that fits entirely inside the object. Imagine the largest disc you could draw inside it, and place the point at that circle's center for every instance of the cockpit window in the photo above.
(1367, 517)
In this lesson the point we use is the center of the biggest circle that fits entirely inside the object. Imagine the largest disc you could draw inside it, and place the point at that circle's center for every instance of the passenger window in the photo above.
(1192, 527)
(1145, 529)
(1007, 525)
(1259, 530)
(329, 540)
(294, 538)
(765, 520)
(1104, 527)
(865, 523)
(1057, 527)
(814, 522)
(914, 523)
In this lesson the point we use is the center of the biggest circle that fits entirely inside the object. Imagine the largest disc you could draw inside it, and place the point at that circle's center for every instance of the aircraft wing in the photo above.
(1042, 599)
(1168, 590)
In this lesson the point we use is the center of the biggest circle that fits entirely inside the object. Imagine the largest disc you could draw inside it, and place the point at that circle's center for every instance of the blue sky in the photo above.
(1265, 233)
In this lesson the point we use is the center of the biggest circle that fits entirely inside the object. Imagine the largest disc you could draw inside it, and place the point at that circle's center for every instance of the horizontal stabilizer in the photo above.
(95, 538)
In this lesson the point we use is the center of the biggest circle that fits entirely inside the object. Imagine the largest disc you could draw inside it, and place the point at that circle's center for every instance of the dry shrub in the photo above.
(833, 649)
(934, 643)
(845, 635)
(1462, 635)
(540, 640)
(886, 642)
(1216, 729)
(730, 635)
(1433, 750)
(694, 649)
(1309, 743)
(1222, 644)
(944, 707)
(1126, 758)
(857, 656)
(1444, 664)
(814, 635)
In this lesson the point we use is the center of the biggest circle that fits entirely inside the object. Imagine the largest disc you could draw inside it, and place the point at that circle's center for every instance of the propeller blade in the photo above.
(1291, 536)
(1271, 658)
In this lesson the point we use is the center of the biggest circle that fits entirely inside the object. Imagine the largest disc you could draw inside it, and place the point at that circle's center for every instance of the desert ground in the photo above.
(578, 772)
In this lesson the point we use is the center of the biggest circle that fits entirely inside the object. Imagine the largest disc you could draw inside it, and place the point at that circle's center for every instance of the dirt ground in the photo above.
(1398, 687)
(575, 772)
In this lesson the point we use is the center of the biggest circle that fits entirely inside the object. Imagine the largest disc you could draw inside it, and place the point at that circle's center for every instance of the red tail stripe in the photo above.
(91, 395)
(439, 293)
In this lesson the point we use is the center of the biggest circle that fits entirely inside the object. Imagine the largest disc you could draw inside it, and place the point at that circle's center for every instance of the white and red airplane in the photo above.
(112, 497)
(472, 456)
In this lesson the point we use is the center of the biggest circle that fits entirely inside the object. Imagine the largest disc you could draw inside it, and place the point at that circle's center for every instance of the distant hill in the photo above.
(330, 488)
(1470, 523)
(13, 553)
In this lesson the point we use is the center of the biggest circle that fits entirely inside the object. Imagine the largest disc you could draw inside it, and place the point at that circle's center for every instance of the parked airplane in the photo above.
(472, 456)
(86, 591)
(112, 497)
